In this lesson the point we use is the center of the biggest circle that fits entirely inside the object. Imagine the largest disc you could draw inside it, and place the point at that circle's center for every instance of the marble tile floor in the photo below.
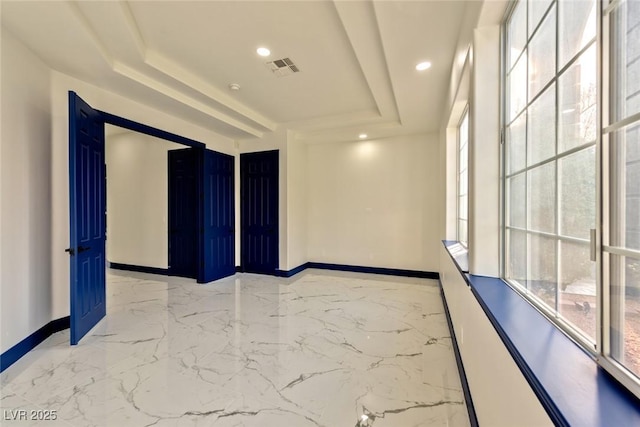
(319, 349)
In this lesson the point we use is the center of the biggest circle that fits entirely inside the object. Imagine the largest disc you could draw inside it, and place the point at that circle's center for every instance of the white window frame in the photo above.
(462, 222)
(609, 209)
(600, 236)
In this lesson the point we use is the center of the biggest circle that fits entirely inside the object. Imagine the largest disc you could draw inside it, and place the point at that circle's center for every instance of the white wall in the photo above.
(449, 150)
(501, 397)
(115, 104)
(373, 203)
(137, 199)
(484, 154)
(25, 193)
(475, 81)
(457, 99)
(297, 202)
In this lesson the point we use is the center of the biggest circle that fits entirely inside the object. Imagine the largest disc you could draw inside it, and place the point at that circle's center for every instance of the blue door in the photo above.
(87, 197)
(218, 235)
(184, 173)
(259, 211)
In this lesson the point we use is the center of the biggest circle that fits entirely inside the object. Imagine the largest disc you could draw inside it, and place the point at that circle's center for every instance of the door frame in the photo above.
(112, 119)
(122, 122)
(134, 126)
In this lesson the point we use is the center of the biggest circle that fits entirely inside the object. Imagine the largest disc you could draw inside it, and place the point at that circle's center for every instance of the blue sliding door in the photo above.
(87, 199)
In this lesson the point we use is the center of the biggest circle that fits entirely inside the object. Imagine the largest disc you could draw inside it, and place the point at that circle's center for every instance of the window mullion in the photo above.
(557, 166)
(602, 284)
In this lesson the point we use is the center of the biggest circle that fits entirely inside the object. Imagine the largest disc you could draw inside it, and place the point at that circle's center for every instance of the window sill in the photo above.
(570, 385)
(459, 254)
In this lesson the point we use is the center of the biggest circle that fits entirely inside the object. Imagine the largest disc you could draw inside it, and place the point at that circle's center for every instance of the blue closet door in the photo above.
(184, 177)
(218, 221)
(259, 211)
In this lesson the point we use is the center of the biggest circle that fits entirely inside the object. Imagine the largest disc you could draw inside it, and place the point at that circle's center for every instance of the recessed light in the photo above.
(234, 86)
(362, 136)
(263, 51)
(423, 66)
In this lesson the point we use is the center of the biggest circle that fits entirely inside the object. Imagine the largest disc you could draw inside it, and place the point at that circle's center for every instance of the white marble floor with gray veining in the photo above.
(319, 349)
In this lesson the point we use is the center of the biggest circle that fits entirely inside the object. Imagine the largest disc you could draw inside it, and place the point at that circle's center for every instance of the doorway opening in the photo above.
(214, 241)
(138, 228)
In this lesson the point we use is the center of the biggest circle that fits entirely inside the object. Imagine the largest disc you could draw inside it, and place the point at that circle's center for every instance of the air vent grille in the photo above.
(282, 67)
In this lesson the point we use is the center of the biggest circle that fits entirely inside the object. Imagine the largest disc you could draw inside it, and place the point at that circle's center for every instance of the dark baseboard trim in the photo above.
(358, 269)
(293, 271)
(298, 269)
(473, 419)
(375, 270)
(241, 269)
(12, 355)
(139, 268)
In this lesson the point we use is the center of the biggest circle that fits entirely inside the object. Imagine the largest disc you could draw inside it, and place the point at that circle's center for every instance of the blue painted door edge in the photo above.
(12, 355)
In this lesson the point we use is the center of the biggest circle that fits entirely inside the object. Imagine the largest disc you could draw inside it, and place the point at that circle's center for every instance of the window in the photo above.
(556, 209)
(621, 146)
(463, 179)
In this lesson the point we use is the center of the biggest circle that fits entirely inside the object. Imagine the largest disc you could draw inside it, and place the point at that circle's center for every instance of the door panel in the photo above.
(259, 211)
(183, 212)
(218, 238)
(87, 199)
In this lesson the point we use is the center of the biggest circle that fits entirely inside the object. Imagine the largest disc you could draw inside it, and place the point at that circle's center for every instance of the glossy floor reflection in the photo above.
(319, 349)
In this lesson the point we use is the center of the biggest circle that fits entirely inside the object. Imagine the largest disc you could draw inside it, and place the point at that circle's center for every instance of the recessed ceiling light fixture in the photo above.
(263, 51)
(362, 136)
(423, 66)
(234, 87)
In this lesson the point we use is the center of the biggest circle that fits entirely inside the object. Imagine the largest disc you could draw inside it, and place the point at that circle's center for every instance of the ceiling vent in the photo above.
(283, 67)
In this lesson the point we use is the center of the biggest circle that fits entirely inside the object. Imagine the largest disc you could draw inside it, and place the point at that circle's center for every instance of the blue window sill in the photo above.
(572, 388)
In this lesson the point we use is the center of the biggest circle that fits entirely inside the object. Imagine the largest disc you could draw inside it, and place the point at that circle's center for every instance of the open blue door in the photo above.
(259, 211)
(218, 235)
(87, 197)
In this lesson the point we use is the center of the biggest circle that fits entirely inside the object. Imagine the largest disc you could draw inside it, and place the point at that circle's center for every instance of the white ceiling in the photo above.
(357, 60)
